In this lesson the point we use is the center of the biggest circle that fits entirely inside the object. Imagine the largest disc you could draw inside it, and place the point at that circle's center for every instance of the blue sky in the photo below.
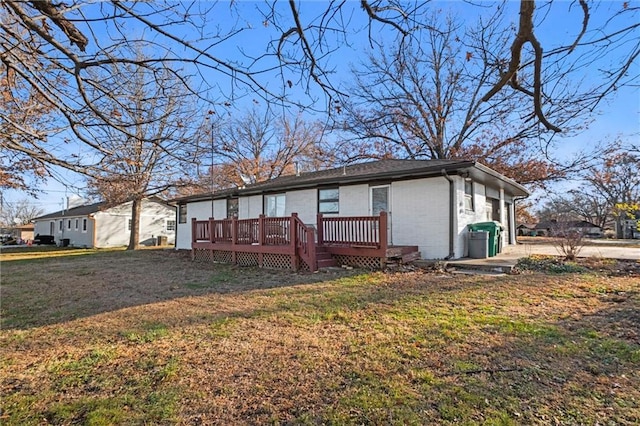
(619, 116)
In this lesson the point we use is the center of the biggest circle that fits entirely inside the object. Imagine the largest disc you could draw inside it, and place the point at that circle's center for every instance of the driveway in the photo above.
(600, 250)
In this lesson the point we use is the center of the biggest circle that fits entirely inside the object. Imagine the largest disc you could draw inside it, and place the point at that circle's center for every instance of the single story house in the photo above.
(526, 230)
(100, 226)
(427, 204)
(554, 227)
(24, 232)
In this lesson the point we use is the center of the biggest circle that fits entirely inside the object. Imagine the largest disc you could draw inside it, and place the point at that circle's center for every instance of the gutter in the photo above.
(451, 213)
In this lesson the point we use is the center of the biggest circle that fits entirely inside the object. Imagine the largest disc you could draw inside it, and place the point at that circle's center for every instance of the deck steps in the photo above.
(324, 258)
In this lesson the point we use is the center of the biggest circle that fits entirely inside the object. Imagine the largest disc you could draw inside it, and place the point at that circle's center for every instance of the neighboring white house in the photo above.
(429, 202)
(553, 228)
(99, 226)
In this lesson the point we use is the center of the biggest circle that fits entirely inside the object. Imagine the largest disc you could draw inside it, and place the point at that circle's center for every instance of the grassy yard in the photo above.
(100, 338)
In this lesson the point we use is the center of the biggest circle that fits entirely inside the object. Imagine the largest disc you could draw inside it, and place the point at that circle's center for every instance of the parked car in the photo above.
(44, 239)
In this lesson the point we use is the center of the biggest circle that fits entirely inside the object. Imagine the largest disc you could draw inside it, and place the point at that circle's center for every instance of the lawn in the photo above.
(95, 337)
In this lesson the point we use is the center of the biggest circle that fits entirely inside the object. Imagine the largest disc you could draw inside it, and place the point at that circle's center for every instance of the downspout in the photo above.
(452, 209)
(515, 221)
(92, 218)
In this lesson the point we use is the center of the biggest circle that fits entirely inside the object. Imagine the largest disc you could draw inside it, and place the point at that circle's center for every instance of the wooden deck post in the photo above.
(211, 230)
(312, 250)
(211, 236)
(194, 227)
(261, 239)
(295, 261)
(384, 238)
(320, 230)
(234, 239)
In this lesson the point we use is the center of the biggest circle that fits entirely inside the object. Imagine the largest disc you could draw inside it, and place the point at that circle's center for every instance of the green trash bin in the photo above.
(494, 229)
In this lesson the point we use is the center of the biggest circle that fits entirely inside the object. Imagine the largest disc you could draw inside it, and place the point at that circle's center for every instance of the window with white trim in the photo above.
(129, 224)
(468, 194)
(171, 225)
(329, 200)
(84, 225)
(274, 205)
(77, 224)
(182, 213)
(233, 207)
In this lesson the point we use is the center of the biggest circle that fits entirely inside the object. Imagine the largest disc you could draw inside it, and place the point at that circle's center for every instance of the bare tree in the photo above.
(20, 212)
(607, 185)
(149, 151)
(293, 65)
(423, 99)
(261, 145)
(617, 181)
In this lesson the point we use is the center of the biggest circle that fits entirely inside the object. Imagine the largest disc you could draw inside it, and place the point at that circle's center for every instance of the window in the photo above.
(52, 227)
(84, 225)
(61, 224)
(274, 205)
(380, 199)
(171, 225)
(329, 200)
(489, 209)
(128, 224)
(232, 208)
(182, 213)
(69, 224)
(468, 194)
(77, 224)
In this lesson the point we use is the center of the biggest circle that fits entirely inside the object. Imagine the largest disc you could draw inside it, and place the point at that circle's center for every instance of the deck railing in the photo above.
(286, 235)
(290, 236)
(360, 231)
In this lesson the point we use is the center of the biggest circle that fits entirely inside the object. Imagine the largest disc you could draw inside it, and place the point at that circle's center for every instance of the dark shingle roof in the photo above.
(75, 211)
(354, 173)
(565, 224)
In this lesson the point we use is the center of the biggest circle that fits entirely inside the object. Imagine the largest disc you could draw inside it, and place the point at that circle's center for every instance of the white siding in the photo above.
(112, 224)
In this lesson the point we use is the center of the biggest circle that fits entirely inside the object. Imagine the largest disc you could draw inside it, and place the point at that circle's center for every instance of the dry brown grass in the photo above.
(149, 337)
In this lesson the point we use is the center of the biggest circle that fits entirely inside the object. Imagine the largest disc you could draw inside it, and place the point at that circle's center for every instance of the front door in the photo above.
(381, 201)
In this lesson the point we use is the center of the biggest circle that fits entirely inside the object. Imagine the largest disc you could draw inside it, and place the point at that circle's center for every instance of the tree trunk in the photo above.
(134, 236)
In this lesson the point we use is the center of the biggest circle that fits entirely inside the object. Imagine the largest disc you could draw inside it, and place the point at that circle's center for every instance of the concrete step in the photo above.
(479, 268)
(489, 266)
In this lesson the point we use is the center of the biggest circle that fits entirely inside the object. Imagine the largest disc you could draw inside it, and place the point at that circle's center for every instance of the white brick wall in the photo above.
(419, 212)
(304, 202)
(201, 210)
(420, 215)
(354, 200)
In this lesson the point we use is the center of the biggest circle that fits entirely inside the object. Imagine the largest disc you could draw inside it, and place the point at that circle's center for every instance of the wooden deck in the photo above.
(286, 242)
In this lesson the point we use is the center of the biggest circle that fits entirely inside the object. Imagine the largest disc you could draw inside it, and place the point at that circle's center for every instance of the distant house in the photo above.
(24, 232)
(100, 226)
(423, 204)
(527, 230)
(554, 227)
